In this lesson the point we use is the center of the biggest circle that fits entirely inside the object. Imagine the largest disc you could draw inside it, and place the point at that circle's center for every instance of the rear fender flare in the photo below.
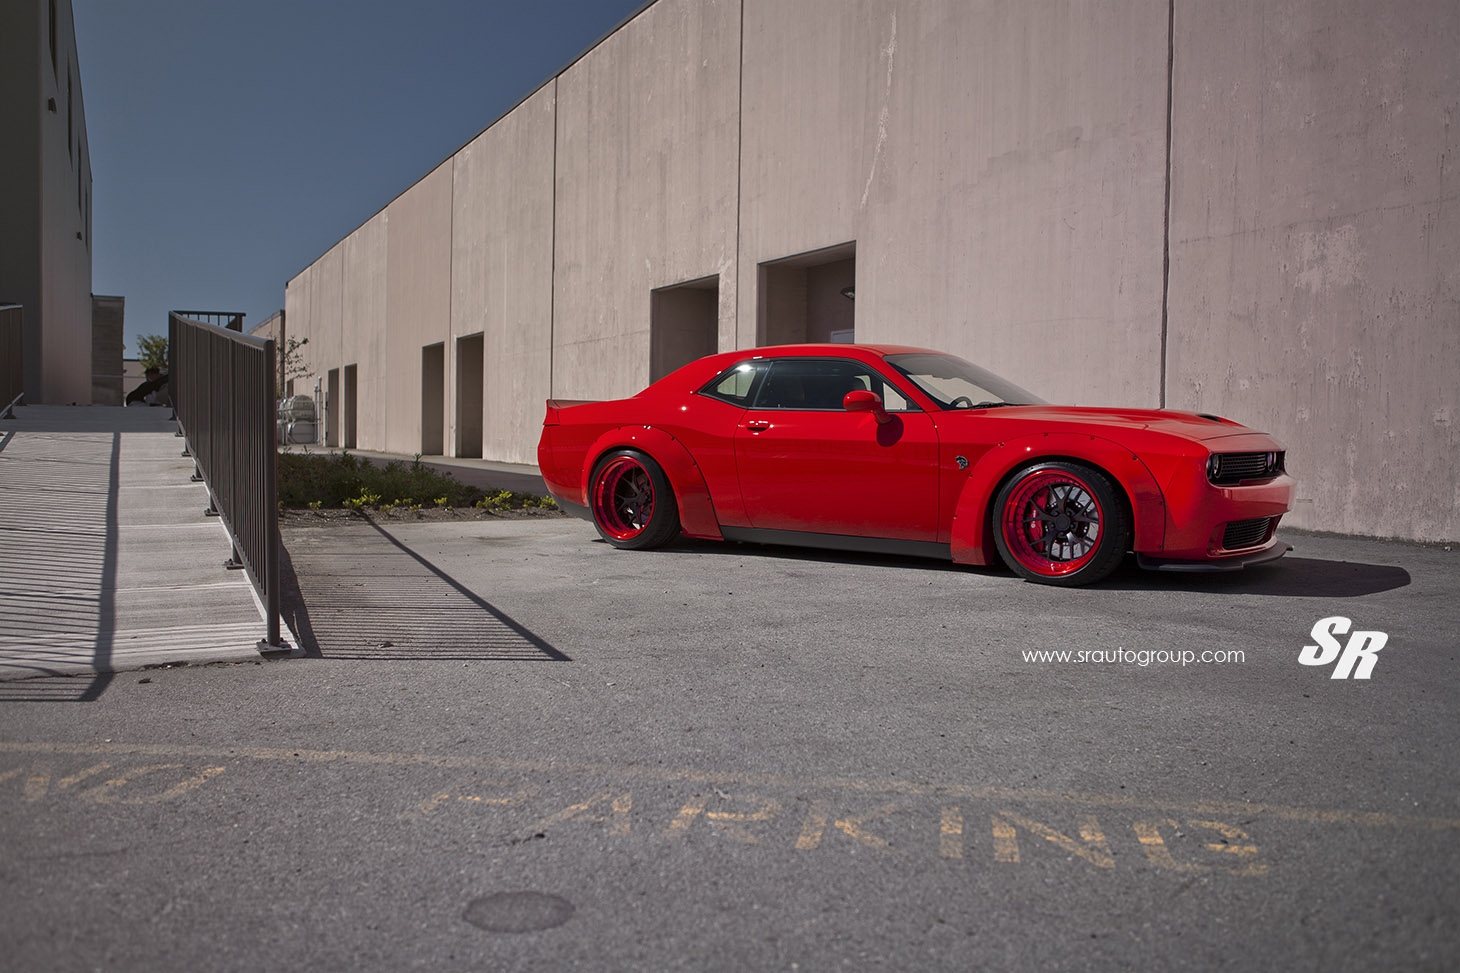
(972, 542)
(696, 510)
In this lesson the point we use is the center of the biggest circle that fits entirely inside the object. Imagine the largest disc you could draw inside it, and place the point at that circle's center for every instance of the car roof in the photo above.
(695, 374)
(726, 358)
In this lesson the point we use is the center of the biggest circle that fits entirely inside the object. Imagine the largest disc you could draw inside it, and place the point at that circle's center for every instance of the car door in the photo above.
(807, 464)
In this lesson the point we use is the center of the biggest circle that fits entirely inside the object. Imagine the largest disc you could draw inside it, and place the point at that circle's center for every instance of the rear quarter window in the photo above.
(737, 384)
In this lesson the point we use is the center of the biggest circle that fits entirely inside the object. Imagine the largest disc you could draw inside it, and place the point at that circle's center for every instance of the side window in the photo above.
(738, 384)
(819, 384)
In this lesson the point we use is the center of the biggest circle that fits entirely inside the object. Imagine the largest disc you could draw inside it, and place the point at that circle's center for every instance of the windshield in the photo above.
(956, 384)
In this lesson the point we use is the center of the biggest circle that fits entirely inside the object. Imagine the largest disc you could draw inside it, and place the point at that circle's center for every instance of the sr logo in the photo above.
(1357, 656)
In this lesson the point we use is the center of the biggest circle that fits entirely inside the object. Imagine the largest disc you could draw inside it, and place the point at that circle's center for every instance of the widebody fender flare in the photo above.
(696, 510)
(972, 542)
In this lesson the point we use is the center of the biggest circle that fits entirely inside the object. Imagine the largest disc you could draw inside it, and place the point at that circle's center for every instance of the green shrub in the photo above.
(320, 481)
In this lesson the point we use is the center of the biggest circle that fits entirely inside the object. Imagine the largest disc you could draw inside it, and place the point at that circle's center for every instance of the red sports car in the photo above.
(891, 449)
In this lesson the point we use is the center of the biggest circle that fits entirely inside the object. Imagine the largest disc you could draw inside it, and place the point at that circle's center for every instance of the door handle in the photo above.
(757, 425)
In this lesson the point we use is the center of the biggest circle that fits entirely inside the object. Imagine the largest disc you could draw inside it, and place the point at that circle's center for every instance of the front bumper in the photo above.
(1235, 562)
(1220, 524)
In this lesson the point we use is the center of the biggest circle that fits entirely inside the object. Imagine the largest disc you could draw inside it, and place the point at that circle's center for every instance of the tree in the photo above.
(152, 350)
(291, 362)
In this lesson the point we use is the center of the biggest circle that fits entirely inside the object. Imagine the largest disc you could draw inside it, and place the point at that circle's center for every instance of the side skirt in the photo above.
(838, 542)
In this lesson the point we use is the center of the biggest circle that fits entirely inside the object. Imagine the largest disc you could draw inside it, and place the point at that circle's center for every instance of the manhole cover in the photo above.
(518, 911)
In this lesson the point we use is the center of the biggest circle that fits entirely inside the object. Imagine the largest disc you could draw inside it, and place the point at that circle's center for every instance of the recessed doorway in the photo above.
(809, 297)
(470, 361)
(332, 408)
(684, 324)
(352, 398)
(433, 400)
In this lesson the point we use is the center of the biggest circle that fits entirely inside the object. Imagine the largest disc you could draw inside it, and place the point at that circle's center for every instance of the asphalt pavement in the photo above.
(513, 747)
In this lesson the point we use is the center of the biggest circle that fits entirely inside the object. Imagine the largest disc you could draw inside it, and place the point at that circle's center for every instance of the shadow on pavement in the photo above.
(788, 553)
(293, 610)
(355, 593)
(67, 624)
(1289, 577)
(47, 688)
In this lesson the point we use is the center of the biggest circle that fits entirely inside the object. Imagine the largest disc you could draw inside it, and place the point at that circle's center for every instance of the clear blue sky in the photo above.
(232, 143)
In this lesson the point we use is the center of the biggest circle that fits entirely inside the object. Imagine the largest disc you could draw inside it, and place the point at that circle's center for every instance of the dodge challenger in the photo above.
(904, 450)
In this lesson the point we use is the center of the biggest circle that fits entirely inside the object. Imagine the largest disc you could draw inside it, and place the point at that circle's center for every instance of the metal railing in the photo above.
(12, 356)
(228, 320)
(222, 386)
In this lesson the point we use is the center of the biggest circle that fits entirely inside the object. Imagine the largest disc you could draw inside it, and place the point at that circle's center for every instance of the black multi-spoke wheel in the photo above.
(1061, 523)
(632, 502)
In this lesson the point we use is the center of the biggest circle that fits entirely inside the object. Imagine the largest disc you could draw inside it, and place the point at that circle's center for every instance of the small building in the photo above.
(108, 320)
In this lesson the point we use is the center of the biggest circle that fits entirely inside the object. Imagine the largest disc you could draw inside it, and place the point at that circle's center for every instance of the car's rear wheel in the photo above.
(1061, 523)
(632, 502)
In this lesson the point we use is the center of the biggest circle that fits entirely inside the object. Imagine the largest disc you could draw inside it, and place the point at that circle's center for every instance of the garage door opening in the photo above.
(351, 400)
(332, 409)
(808, 298)
(470, 359)
(684, 324)
(433, 400)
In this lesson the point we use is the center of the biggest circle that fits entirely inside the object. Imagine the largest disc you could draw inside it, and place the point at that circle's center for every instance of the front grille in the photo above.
(1245, 533)
(1230, 468)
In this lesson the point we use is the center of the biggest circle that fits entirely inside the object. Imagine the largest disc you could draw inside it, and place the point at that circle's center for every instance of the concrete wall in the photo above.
(134, 373)
(270, 328)
(327, 315)
(108, 315)
(1315, 247)
(45, 199)
(502, 271)
(12, 352)
(364, 322)
(417, 301)
(22, 49)
(646, 187)
(999, 166)
(1228, 206)
(65, 322)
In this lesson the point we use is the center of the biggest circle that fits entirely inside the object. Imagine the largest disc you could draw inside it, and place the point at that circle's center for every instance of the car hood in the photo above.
(1189, 425)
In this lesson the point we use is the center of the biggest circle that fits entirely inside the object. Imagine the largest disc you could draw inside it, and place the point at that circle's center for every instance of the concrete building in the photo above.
(45, 198)
(270, 328)
(1244, 207)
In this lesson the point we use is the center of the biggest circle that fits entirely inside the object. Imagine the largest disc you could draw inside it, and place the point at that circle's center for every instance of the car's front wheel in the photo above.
(1061, 523)
(632, 502)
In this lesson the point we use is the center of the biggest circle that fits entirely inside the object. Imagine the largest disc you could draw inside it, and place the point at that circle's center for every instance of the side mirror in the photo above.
(864, 400)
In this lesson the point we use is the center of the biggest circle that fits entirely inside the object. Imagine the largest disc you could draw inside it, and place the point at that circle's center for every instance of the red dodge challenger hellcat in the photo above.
(904, 450)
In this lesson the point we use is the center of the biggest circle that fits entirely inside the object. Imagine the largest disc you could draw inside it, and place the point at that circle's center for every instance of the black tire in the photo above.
(1061, 523)
(632, 502)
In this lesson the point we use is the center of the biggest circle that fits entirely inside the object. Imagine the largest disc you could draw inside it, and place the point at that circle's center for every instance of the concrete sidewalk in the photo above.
(107, 562)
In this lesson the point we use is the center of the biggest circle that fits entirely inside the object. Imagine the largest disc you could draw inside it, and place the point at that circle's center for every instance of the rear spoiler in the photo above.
(554, 406)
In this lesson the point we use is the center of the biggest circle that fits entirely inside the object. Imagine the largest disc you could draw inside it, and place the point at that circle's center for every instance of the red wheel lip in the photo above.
(1012, 519)
(606, 512)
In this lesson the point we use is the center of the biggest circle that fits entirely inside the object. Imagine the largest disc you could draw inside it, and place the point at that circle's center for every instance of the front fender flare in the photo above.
(696, 510)
(971, 541)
